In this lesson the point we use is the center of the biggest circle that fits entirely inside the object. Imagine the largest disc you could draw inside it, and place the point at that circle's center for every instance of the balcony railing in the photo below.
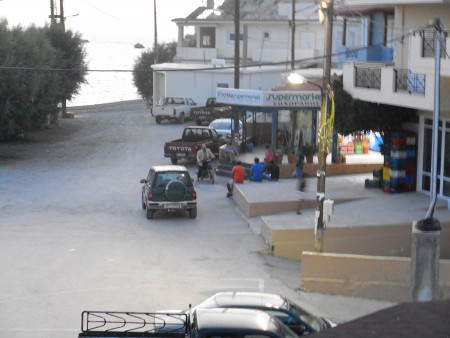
(428, 40)
(368, 77)
(409, 82)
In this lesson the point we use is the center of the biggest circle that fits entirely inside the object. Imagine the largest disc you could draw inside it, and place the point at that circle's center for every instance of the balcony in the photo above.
(422, 54)
(365, 54)
(382, 83)
(194, 54)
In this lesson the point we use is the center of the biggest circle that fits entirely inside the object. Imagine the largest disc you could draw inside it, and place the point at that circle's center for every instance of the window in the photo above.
(241, 36)
(207, 37)
(266, 35)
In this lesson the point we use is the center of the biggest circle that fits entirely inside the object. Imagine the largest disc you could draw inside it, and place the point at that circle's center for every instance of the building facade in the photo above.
(410, 80)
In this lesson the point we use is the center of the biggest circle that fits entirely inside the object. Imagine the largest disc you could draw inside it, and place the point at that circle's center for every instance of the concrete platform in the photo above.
(369, 230)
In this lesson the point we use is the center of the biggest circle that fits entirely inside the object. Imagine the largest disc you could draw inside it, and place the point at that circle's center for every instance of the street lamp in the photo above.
(324, 130)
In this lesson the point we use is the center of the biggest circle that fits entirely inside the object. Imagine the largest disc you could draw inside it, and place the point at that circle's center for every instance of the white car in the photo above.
(224, 126)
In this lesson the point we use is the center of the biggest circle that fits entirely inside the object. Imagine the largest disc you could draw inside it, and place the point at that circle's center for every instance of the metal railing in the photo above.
(409, 82)
(368, 77)
(428, 40)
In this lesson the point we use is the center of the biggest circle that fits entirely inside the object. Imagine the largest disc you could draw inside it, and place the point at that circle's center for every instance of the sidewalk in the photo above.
(355, 206)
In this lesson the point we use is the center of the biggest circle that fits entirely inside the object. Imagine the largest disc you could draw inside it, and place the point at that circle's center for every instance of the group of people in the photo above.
(258, 171)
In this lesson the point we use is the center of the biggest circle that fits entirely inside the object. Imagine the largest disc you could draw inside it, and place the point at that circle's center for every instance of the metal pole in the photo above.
(322, 165)
(236, 43)
(293, 37)
(425, 246)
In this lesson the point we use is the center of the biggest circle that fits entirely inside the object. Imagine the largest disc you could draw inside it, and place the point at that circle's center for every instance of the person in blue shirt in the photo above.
(256, 171)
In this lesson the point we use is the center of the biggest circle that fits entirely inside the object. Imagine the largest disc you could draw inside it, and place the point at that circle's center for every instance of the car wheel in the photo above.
(144, 205)
(150, 213)
(158, 120)
(193, 213)
(174, 160)
(181, 118)
(175, 191)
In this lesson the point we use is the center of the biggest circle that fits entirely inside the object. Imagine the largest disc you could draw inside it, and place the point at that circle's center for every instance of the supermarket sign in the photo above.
(278, 99)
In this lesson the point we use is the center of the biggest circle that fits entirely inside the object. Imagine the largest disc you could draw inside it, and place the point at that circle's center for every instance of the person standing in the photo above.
(272, 172)
(256, 171)
(237, 176)
(298, 173)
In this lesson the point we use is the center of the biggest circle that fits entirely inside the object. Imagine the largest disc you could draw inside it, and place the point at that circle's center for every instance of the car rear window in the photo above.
(163, 178)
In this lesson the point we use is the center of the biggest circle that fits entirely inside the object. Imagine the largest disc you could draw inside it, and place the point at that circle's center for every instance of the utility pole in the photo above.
(293, 37)
(61, 15)
(324, 113)
(425, 246)
(236, 43)
(156, 33)
(52, 13)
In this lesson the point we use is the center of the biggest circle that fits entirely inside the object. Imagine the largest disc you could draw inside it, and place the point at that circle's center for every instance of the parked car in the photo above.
(238, 323)
(210, 111)
(294, 316)
(168, 188)
(205, 323)
(173, 108)
(224, 126)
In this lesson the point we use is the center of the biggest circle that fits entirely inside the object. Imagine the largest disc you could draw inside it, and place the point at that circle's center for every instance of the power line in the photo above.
(254, 65)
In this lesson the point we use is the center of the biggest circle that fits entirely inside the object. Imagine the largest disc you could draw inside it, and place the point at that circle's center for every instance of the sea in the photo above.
(110, 76)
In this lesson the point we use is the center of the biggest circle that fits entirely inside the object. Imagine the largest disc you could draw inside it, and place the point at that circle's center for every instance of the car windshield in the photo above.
(282, 330)
(315, 323)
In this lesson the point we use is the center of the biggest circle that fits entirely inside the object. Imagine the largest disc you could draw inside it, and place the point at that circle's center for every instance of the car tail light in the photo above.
(194, 195)
(150, 196)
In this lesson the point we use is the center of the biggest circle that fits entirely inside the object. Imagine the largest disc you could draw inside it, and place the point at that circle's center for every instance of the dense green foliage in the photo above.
(38, 67)
(142, 71)
(360, 116)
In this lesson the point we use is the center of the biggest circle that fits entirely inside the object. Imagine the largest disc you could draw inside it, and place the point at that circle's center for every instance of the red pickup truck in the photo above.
(191, 141)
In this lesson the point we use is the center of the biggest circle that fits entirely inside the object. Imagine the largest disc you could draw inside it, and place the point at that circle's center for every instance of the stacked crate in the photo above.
(398, 161)
(387, 167)
(399, 169)
(410, 165)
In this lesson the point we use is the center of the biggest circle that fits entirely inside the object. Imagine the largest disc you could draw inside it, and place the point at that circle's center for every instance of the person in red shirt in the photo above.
(237, 176)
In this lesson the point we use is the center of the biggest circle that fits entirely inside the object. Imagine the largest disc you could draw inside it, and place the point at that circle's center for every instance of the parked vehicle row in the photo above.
(226, 314)
(210, 111)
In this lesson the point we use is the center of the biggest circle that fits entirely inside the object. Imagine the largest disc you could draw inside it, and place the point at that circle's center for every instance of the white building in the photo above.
(205, 52)
(385, 47)
(409, 81)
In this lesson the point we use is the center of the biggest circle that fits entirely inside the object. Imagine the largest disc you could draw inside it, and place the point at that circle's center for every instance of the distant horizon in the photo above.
(105, 20)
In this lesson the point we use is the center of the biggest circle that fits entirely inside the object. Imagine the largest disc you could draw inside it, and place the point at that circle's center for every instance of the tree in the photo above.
(32, 81)
(356, 115)
(142, 70)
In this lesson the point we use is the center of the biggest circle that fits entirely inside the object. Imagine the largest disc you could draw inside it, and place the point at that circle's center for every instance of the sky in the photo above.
(106, 20)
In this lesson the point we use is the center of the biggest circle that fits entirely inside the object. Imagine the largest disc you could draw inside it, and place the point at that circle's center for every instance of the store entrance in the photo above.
(443, 158)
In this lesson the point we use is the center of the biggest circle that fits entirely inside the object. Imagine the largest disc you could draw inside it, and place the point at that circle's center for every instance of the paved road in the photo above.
(73, 235)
